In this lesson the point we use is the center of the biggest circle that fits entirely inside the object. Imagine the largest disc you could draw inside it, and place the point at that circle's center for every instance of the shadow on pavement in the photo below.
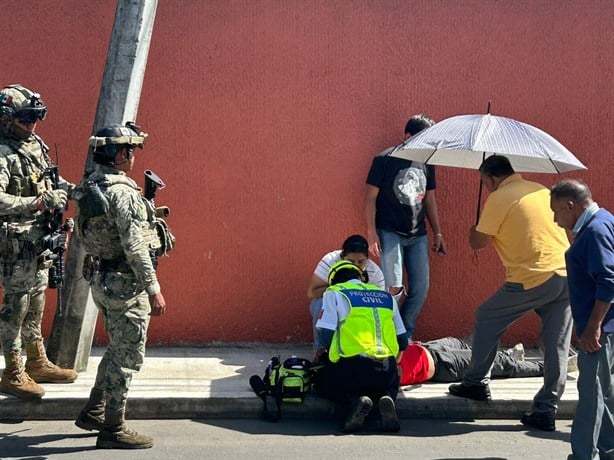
(410, 428)
(18, 444)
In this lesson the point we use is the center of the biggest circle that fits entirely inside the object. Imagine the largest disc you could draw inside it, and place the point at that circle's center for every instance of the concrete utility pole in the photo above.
(73, 332)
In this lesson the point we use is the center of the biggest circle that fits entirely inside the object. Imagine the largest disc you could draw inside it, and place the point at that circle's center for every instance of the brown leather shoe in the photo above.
(116, 435)
(91, 417)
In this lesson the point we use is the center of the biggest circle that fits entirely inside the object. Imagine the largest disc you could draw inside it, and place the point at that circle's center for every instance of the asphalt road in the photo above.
(291, 439)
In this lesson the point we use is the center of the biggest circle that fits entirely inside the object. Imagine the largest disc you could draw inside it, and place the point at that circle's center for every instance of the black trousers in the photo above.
(350, 378)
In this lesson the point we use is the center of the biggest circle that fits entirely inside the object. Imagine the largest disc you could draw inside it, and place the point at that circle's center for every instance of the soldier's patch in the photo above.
(6, 98)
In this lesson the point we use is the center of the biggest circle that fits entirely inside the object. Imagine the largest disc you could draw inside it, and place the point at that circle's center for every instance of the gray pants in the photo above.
(550, 301)
(452, 358)
(592, 431)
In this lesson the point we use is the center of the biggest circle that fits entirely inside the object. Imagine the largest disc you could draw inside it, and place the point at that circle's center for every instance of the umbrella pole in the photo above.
(477, 217)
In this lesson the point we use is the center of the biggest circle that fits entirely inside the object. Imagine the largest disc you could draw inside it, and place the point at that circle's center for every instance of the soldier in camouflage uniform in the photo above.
(117, 227)
(26, 196)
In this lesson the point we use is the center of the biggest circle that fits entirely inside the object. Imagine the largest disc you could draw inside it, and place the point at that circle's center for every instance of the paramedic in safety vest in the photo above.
(364, 334)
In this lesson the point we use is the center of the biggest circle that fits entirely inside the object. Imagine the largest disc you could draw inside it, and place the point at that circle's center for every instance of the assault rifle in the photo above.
(55, 239)
(166, 237)
(153, 182)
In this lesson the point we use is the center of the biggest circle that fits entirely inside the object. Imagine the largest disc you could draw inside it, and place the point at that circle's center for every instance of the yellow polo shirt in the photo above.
(530, 244)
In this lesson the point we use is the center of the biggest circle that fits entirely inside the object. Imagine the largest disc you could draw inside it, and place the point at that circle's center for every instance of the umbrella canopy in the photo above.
(464, 141)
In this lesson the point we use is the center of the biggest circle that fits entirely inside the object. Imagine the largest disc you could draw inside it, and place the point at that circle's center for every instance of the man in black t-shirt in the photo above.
(400, 195)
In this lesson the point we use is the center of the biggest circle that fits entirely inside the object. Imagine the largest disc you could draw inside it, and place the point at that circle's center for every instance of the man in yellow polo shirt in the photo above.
(518, 220)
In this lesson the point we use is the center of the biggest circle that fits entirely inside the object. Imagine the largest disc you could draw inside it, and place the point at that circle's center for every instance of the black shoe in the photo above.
(542, 420)
(390, 419)
(358, 412)
(475, 392)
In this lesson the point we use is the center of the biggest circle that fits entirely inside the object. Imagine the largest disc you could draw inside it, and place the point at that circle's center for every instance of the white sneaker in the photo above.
(516, 352)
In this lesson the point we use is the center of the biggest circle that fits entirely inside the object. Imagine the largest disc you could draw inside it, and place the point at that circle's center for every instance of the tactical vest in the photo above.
(27, 162)
(91, 217)
(369, 328)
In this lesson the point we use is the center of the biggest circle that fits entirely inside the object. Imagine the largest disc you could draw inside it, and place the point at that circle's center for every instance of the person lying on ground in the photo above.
(447, 360)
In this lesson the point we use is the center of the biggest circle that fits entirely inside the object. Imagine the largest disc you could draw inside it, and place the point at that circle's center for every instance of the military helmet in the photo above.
(19, 103)
(343, 265)
(109, 139)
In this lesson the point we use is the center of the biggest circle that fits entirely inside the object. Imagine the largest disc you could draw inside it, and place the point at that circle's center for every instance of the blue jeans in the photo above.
(412, 253)
(314, 308)
(592, 432)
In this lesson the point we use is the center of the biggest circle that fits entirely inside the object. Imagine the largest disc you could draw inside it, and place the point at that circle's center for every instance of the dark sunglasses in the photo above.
(31, 115)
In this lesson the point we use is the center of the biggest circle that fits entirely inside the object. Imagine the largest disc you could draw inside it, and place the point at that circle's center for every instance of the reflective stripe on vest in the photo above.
(369, 328)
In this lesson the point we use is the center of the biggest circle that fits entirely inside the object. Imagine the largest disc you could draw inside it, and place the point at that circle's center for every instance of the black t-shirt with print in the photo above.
(402, 187)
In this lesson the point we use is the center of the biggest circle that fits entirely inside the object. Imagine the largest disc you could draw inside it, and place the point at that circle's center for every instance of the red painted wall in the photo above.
(264, 116)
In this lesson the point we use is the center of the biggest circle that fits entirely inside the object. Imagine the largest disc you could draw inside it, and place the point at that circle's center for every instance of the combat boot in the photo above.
(42, 370)
(116, 435)
(91, 416)
(16, 381)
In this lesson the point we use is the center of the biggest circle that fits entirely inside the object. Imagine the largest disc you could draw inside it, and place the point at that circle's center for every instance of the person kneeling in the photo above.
(363, 334)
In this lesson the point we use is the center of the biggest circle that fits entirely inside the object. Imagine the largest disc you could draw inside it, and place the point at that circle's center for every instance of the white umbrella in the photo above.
(464, 141)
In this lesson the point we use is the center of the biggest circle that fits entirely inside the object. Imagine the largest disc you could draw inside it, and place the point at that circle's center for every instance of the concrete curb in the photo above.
(444, 407)
(212, 382)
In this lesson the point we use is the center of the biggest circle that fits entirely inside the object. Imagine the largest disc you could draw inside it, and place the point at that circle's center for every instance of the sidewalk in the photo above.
(212, 382)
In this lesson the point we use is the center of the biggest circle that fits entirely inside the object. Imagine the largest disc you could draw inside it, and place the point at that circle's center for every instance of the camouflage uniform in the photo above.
(121, 240)
(22, 164)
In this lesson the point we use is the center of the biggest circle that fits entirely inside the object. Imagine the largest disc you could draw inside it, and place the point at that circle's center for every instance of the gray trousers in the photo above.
(452, 358)
(592, 431)
(550, 301)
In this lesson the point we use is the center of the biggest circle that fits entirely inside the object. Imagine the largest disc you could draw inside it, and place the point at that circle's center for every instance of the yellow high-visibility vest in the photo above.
(369, 328)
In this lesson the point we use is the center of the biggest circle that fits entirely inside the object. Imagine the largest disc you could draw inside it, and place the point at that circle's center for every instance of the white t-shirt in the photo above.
(335, 308)
(376, 276)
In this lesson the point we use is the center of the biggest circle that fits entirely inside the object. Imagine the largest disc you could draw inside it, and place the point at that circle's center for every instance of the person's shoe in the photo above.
(388, 412)
(90, 421)
(358, 412)
(116, 435)
(542, 420)
(516, 352)
(16, 381)
(41, 370)
(91, 417)
(475, 392)
(122, 437)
